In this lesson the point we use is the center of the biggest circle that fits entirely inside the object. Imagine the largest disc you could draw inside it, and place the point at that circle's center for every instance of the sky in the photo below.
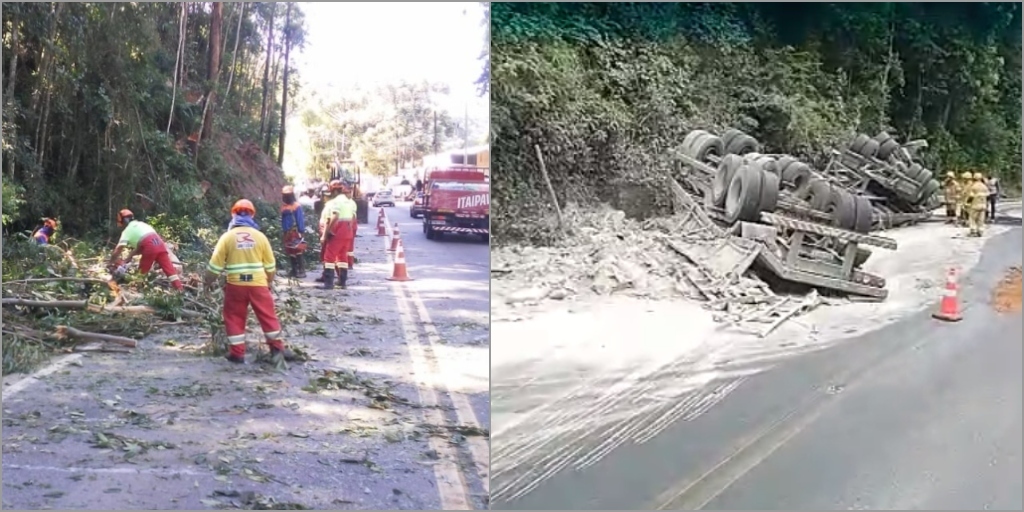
(367, 43)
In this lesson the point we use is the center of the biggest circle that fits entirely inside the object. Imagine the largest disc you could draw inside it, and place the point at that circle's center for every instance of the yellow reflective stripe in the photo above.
(244, 266)
(214, 268)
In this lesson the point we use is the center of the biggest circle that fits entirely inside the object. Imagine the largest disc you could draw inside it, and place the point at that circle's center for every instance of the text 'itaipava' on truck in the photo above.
(457, 202)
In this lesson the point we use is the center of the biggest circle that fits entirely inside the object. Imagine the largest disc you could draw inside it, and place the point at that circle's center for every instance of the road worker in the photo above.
(978, 202)
(293, 225)
(45, 233)
(951, 190)
(995, 190)
(245, 255)
(347, 192)
(337, 237)
(142, 239)
(966, 180)
(318, 208)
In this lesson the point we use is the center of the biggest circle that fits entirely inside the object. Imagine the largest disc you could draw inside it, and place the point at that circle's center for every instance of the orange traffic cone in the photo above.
(396, 238)
(382, 229)
(949, 308)
(400, 272)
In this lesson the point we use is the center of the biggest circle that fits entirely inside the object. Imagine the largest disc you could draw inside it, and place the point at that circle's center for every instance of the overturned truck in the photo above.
(802, 225)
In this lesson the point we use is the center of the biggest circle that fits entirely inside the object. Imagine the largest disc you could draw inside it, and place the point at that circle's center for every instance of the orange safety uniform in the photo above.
(244, 253)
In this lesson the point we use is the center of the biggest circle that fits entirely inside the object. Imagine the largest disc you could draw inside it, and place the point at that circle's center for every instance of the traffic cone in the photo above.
(949, 308)
(382, 229)
(396, 238)
(399, 271)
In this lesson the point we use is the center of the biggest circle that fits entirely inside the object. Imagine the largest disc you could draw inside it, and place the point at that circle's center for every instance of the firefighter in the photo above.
(293, 225)
(347, 194)
(45, 233)
(142, 239)
(337, 237)
(977, 195)
(245, 255)
(995, 190)
(318, 208)
(951, 190)
(963, 203)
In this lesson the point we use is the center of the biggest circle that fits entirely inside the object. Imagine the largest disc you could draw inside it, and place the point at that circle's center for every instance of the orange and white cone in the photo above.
(949, 308)
(382, 229)
(396, 238)
(399, 271)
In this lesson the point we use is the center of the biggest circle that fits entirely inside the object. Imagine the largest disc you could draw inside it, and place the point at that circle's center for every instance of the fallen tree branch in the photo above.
(139, 310)
(66, 304)
(58, 279)
(65, 332)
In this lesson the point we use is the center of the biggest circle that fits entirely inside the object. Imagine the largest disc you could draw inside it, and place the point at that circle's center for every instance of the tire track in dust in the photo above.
(563, 434)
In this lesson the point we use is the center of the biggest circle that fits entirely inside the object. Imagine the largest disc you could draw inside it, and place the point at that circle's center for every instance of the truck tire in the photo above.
(743, 202)
(819, 193)
(843, 208)
(887, 148)
(428, 230)
(723, 178)
(924, 177)
(914, 172)
(729, 135)
(797, 176)
(858, 143)
(768, 164)
(869, 149)
(705, 145)
(769, 192)
(864, 215)
(742, 144)
(928, 191)
(688, 141)
(882, 137)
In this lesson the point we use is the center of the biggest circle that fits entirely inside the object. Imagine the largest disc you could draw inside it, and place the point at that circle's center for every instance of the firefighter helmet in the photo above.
(243, 206)
(287, 189)
(966, 175)
(951, 175)
(978, 176)
(124, 217)
(336, 185)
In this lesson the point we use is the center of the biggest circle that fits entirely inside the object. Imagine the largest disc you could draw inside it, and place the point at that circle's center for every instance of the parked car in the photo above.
(383, 198)
(416, 210)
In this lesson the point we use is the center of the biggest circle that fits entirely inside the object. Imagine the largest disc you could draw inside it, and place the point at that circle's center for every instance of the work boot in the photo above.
(285, 352)
(343, 278)
(328, 279)
(301, 274)
(236, 354)
(322, 274)
(293, 273)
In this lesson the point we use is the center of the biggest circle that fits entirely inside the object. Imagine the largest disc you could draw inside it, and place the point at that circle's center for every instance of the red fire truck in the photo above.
(457, 201)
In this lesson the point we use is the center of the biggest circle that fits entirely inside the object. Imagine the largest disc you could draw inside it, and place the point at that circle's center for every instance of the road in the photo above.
(920, 414)
(392, 412)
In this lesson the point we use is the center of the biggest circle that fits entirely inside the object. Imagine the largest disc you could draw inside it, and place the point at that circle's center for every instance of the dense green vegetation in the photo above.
(113, 105)
(609, 90)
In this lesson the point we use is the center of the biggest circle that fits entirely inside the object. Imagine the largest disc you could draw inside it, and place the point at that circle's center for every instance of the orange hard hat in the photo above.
(124, 216)
(288, 189)
(243, 205)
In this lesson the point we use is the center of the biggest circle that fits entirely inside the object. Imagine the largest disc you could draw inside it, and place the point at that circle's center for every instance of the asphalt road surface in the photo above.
(919, 415)
(399, 423)
(452, 276)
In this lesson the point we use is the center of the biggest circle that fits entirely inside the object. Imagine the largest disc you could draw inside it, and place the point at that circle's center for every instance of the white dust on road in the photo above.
(575, 381)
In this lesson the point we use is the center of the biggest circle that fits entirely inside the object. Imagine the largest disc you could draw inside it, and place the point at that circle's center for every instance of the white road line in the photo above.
(451, 486)
(479, 449)
(23, 384)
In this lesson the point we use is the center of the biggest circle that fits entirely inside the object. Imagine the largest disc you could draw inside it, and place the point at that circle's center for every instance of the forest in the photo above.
(608, 90)
(113, 105)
